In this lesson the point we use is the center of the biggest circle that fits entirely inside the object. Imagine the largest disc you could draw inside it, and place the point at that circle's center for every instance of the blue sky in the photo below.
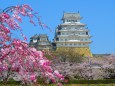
(99, 15)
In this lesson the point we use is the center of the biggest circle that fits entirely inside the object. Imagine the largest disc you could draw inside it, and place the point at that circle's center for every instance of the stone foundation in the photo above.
(80, 50)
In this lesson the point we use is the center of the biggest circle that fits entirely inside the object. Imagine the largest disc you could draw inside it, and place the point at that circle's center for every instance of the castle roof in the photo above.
(77, 23)
(43, 35)
(34, 37)
(39, 36)
(71, 15)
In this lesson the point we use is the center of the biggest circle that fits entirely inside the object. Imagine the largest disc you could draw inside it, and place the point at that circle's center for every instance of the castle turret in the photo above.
(40, 42)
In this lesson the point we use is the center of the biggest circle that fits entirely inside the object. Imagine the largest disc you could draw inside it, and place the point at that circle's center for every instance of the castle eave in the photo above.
(77, 23)
(87, 42)
(71, 36)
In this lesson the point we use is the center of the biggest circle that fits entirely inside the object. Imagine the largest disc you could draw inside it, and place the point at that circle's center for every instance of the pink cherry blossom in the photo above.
(16, 57)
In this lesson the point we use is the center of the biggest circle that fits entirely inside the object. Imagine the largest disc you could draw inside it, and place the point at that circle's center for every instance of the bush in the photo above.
(106, 81)
(11, 82)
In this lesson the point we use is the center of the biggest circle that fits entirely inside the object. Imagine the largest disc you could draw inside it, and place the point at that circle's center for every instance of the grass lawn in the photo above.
(91, 85)
(70, 85)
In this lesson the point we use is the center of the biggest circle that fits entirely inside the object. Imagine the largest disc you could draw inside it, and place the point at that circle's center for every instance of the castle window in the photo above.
(57, 39)
(83, 44)
(61, 39)
(59, 33)
(71, 20)
(43, 39)
(34, 40)
(63, 33)
(86, 33)
(79, 43)
(83, 33)
(70, 44)
(65, 39)
(85, 39)
(81, 39)
(68, 20)
(43, 43)
(75, 44)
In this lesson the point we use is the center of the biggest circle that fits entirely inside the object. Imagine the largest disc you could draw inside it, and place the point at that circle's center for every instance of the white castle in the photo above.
(73, 34)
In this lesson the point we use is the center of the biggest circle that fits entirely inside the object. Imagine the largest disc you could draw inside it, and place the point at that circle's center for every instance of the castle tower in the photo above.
(40, 42)
(73, 34)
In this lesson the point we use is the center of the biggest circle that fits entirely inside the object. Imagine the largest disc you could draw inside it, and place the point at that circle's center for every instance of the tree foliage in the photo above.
(69, 55)
(17, 59)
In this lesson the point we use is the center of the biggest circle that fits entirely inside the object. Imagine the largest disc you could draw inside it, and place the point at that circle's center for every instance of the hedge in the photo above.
(106, 81)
